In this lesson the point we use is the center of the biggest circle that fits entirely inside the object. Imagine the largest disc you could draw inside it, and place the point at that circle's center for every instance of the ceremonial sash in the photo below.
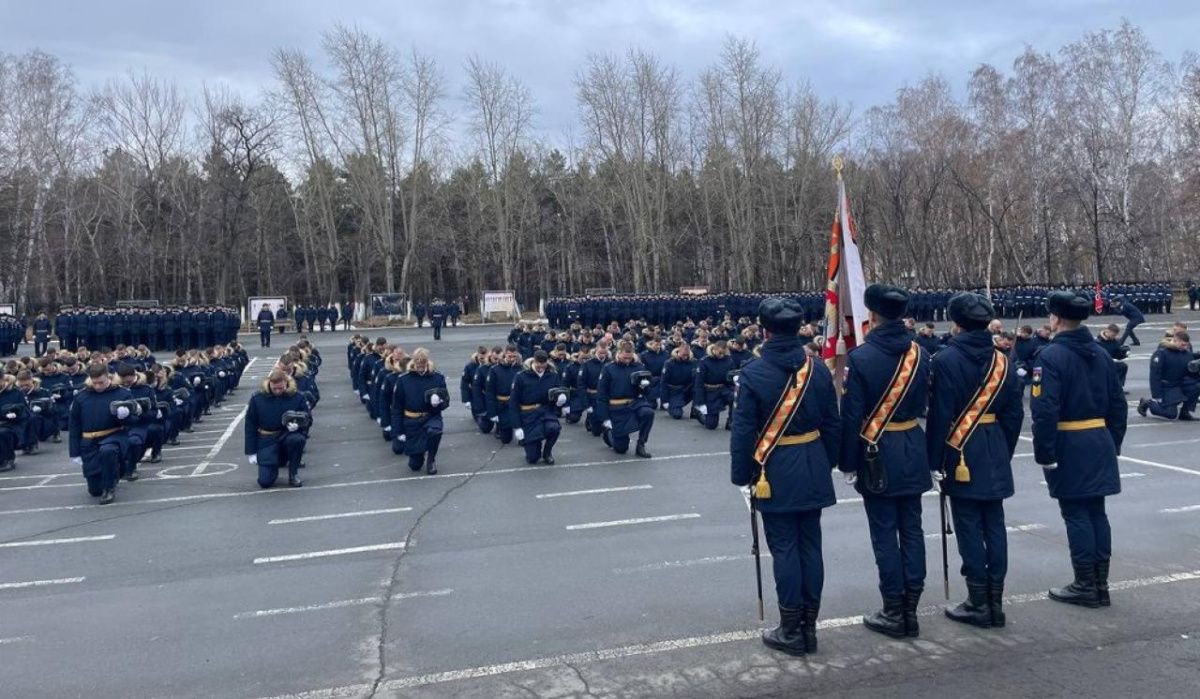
(785, 409)
(889, 402)
(972, 416)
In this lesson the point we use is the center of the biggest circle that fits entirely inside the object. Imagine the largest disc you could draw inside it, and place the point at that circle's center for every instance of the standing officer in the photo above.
(621, 401)
(883, 450)
(1079, 416)
(974, 421)
(41, 335)
(786, 434)
(266, 321)
(1133, 318)
(97, 432)
(437, 316)
(536, 398)
(417, 404)
(419, 312)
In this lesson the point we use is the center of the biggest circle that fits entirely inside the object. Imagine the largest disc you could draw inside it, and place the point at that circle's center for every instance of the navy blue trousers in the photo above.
(982, 539)
(540, 448)
(645, 420)
(1088, 533)
(898, 542)
(795, 542)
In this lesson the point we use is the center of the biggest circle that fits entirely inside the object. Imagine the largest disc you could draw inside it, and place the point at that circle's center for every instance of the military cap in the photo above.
(1068, 305)
(781, 315)
(971, 311)
(886, 300)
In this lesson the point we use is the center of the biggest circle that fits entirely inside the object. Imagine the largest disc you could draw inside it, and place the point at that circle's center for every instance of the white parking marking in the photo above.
(1155, 464)
(333, 552)
(594, 491)
(1016, 529)
(39, 583)
(636, 520)
(1177, 510)
(669, 565)
(336, 605)
(17, 639)
(654, 648)
(53, 542)
(340, 515)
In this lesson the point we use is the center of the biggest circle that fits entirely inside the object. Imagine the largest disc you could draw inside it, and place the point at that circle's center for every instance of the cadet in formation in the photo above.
(98, 442)
(1079, 417)
(535, 401)
(277, 422)
(621, 401)
(419, 398)
(785, 441)
(883, 451)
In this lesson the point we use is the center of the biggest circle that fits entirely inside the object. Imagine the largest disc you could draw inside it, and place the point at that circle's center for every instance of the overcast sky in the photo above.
(860, 50)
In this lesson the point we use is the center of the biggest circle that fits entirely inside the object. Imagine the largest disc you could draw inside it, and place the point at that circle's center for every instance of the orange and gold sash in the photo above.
(785, 409)
(889, 402)
(972, 415)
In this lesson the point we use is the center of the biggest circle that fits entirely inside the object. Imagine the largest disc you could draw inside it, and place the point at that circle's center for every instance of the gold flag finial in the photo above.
(838, 164)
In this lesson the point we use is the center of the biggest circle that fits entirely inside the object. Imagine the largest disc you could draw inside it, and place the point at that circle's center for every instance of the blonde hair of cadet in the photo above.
(278, 376)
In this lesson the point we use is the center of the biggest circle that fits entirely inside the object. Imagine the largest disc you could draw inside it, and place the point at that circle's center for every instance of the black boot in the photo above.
(1102, 584)
(912, 627)
(888, 621)
(641, 450)
(8, 465)
(547, 457)
(808, 627)
(294, 480)
(1142, 406)
(131, 476)
(430, 466)
(996, 603)
(787, 637)
(975, 611)
(107, 496)
(155, 458)
(1082, 591)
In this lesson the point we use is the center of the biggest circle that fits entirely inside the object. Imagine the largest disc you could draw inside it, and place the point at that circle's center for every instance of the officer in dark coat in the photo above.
(1133, 318)
(1079, 416)
(712, 390)
(417, 404)
(271, 440)
(1174, 388)
(266, 322)
(419, 312)
(621, 403)
(437, 318)
(798, 467)
(654, 358)
(975, 470)
(535, 409)
(892, 472)
(97, 432)
(41, 335)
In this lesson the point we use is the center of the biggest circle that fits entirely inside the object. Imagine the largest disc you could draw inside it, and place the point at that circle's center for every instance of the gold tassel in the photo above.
(762, 489)
(961, 473)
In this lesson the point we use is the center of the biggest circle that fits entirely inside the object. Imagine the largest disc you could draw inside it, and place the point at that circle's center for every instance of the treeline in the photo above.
(357, 171)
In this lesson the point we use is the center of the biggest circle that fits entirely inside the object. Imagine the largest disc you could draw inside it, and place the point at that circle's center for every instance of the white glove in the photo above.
(851, 478)
(496, 419)
(939, 476)
(379, 420)
(13, 416)
(519, 434)
(702, 409)
(467, 404)
(1050, 467)
(737, 379)
(567, 410)
(1021, 372)
(122, 413)
(196, 381)
(158, 415)
(77, 461)
(253, 459)
(644, 383)
(435, 400)
(178, 402)
(36, 409)
(221, 374)
(292, 427)
(562, 400)
(403, 438)
(366, 397)
(587, 409)
(388, 428)
(607, 424)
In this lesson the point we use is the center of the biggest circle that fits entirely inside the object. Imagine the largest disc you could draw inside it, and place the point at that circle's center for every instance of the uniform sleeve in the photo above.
(1011, 413)
(1044, 408)
(1117, 416)
(75, 429)
(940, 418)
(831, 420)
(441, 383)
(602, 391)
(1156, 380)
(743, 439)
(251, 427)
(853, 414)
(397, 422)
(465, 383)
(489, 391)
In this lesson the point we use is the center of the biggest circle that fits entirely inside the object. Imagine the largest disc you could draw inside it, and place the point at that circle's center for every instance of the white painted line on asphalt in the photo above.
(636, 520)
(1016, 529)
(332, 552)
(1177, 510)
(336, 605)
(1131, 474)
(16, 639)
(657, 647)
(669, 565)
(198, 446)
(846, 501)
(340, 515)
(353, 484)
(594, 491)
(53, 542)
(1155, 464)
(1163, 444)
(39, 583)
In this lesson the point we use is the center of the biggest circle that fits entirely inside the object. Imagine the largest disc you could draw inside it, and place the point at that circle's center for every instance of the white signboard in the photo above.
(271, 303)
(500, 302)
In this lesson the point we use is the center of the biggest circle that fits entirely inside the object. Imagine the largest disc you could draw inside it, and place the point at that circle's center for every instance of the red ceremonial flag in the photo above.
(1099, 299)
(845, 310)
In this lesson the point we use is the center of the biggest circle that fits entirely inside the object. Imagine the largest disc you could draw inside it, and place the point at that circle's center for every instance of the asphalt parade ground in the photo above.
(604, 575)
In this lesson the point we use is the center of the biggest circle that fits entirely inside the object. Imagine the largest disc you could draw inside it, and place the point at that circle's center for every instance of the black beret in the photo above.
(971, 311)
(1068, 305)
(781, 315)
(886, 300)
